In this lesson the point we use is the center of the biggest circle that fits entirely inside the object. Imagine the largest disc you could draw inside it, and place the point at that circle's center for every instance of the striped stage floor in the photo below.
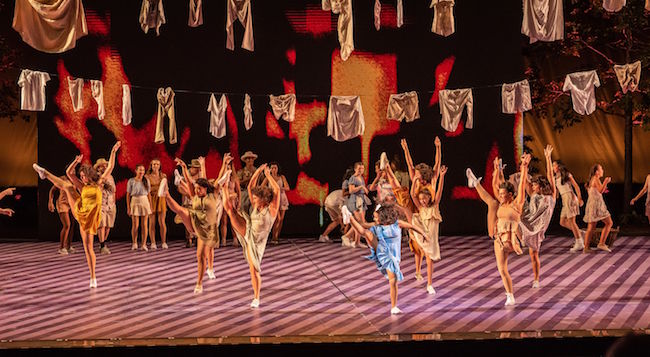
(315, 292)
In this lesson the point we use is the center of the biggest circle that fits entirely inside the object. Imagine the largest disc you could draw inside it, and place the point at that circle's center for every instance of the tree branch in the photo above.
(595, 50)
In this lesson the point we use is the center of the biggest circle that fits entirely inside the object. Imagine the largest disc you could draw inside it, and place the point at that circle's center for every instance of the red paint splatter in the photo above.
(466, 193)
(273, 129)
(291, 56)
(388, 16)
(443, 71)
(311, 20)
(307, 191)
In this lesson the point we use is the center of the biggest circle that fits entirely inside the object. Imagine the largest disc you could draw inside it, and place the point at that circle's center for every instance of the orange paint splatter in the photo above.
(273, 129)
(443, 71)
(307, 191)
(308, 117)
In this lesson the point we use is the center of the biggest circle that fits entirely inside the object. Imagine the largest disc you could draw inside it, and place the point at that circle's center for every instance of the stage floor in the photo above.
(315, 292)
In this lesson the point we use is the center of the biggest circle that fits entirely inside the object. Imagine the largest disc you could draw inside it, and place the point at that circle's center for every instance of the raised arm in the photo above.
(521, 191)
(496, 176)
(189, 182)
(72, 176)
(253, 181)
(111, 162)
(643, 190)
(407, 157)
(441, 183)
(414, 193)
(202, 172)
(549, 169)
(438, 157)
(274, 206)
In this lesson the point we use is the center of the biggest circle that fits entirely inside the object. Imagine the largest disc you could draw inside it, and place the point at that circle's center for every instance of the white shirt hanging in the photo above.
(345, 24)
(452, 102)
(613, 5)
(75, 88)
(152, 15)
(443, 17)
(515, 97)
(127, 112)
(248, 112)
(196, 13)
(239, 10)
(403, 106)
(543, 20)
(628, 76)
(377, 14)
(97, 91)
(218, 116)
(583, 92)
(284, 106)
(32, 89)
(345, 118)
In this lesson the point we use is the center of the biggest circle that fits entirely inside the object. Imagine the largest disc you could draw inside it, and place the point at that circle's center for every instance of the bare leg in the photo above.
(417, 253)
(606, 229)
(200, 261)
(493, 206)
(135, 222)
(277, 225)
(210, 255)
(87, 239)
(502, 265)
(590, 230)
(163, 226)
(429, 271)
(330, 227)
(224, 229)
(392, 280)
(181, 211)
(360, 216)
(570, 224)
(144, 229)
(256, 277)
(152, 228)
(65, 230)
(534, 259)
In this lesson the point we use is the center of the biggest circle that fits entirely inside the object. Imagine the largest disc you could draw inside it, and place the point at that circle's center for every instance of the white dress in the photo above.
(258, 227)
(428, 219)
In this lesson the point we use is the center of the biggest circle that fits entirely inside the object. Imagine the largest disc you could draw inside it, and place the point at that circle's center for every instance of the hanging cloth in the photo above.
(345, 25)
(51, 26)
(403, 106)
(613, 5)
(239, 10)
(97, 91)
(515, 97)
(377, 13)
(152, 15)
(583, 92)
(452, 103)
(284, 106)
(196, 13)
(443, 17)
(628, 76)
(345, 118)
(165, 108)
(218, 116)
(32, 89)
(75, 88)
(248, 112)
(127, 112)
(543, 20)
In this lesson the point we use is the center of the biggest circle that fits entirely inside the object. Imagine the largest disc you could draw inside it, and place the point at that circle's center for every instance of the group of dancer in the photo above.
(407, 204)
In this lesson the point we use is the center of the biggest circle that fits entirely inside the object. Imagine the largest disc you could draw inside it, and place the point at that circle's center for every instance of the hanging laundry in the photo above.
(515, 97)
(239, 10)
(152, 15)
(127, 112)
(196, 13)
(613, 5)
(543, 20)
(345, 25)
(32, 89)
(628, 76)
(377, 13)
(452, 103)
(403, 106)
(583, 92)
(165, 108)
(345, 118)
(443, 17)
(248, 112)
(218, 116)
(284, 106)
(97, 91)
(51, 26)
(75, 88)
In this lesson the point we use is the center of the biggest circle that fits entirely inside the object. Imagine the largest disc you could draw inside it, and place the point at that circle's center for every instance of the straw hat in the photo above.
(195, 163)
(100, 162)
(248, 154)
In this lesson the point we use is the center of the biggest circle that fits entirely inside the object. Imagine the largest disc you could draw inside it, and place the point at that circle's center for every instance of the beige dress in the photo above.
(428, 219)
(205, 214)
(258, 227)
(595, 210)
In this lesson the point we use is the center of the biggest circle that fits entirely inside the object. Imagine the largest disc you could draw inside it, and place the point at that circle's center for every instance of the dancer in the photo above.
(7, 192)
(234, 193)
(185, 198)
(253, 229)
(109, 208)
(138, 208)
(244, 175)
(358, 201)
(385, 241)
(62, 207)
(538, 213)
(644, 190)
(85, 192)
(571, 196)
(596, 210)
(503, 218)
(428, 218)
(158, 204)
(284, 202)
(201, 218)
(381, 185)
(333, 203)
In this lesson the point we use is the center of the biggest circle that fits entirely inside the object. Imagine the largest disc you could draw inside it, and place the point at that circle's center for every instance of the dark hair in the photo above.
(425, 171)
(348, 173)
(378, 163)
(205, 184)
(265, 193)
(544, 185)
(564, 173)
(274, 163)
(145, 182)
(592, 173)
(508, 186)
(387, 215)
(425, 191)
(358, 163)
(89, 172)
(149, 171)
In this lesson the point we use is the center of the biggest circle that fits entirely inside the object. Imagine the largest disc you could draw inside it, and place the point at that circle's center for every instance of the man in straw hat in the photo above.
(108, 206)
(244, 175)
(194, 170)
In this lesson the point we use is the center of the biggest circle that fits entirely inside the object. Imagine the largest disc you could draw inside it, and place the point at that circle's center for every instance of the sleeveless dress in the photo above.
(595, 209)
(428, 219)
(205, 219)
(284, 201)
(89, 208)
(647, 204)
(536, 219)
(506, 235)
(258, 227)
(158, 204)
(358, 200)
(388, 254)
(570, 204)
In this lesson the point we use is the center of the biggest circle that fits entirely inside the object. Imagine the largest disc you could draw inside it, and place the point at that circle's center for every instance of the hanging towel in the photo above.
(218, 116)
(377, 13)
(75, 88)
(248, 112)
(239, 10)
(127, 112)
(345, 118)
(97, 91)
(165, 108)
(543, 20)
(196, 13)
(32, 89)
(152, 15)
(628, 76)
(443, 17)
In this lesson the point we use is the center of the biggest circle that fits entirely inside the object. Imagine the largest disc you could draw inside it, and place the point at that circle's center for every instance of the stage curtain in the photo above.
(51, 26)
(599, 138)
(18, 151)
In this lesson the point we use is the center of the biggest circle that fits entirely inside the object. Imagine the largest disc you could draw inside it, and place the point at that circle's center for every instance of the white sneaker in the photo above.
(324, 239)
(577, 246)
(346, 214)
(210, 273)
(345, 242)
(604, 247)
(198, 289)
(162, 190)
(144, 247)
(154, 246)
(472, 181)
(225, 178)
(63, 251)
(535, 284)
(105, 250)
(383, 161)
(431, 290)
(40, 171)
(71, 250)
(93, 283)
(255, 303)
(165, 246)
(395, 310)
(510, 299)
(418, 277)
(134, 246)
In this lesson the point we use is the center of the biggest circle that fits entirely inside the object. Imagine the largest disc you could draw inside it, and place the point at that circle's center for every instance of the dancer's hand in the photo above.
(78, 158)
(632, 202)
(116, 146)
(50, 206)
(443, 170)
(201, 160)
(227, 158)
(404, 144)
(607, 180)
(581, 202)
(548, 150)
(495, 164)
(436, 141)
(7, 211)
(179, 162)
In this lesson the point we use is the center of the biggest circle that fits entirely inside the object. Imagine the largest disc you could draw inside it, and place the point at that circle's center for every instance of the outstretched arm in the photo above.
(521, 191)
(441, 183)
(274, 206)
(407, 225)
(436, 165)
(70, 173)
(10, 191)
(407, 157)
(189, 182)
(111, 162)
(643, 190)
(549, 169)
(392, 179)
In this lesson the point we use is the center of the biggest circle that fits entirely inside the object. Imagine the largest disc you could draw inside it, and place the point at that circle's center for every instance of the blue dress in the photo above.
(388, 254)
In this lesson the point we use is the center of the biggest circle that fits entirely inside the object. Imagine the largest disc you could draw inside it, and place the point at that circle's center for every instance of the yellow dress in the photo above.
(89, 208)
